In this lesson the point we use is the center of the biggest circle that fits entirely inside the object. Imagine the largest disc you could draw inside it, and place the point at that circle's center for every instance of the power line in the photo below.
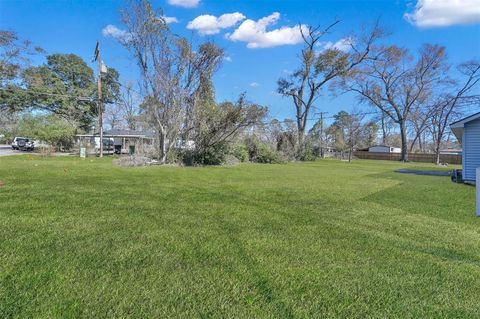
(92, 99)
(321, 118)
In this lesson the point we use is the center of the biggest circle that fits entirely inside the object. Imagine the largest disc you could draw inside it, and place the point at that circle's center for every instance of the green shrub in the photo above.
(48, 128)
(308, 153)
(240, 151)
(259, 152)
(213, 155)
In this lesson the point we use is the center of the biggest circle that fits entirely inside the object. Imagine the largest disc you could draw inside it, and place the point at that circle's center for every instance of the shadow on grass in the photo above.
(425, 195)
(260, 282)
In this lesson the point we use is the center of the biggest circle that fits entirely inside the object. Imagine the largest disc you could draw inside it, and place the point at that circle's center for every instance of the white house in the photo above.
(467, 131)
(384, 149)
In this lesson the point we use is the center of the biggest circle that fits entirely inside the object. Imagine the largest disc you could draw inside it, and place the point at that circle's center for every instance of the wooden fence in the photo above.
(413, 157)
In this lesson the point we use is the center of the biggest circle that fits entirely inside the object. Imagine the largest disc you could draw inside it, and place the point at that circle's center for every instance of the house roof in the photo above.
(383, 146)
(457, 127)
(122, 133)
(127, 133)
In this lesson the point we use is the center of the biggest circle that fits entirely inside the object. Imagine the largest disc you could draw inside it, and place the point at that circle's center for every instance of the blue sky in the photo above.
(256, 60)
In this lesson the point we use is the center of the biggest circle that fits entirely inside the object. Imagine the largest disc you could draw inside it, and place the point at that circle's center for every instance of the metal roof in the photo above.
(121, 133)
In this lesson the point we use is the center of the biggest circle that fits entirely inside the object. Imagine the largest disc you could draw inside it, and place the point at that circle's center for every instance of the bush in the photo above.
(240, 151)
(214, 155)
(48, 128)
(308, 153)
(259, 152)
(231, 160)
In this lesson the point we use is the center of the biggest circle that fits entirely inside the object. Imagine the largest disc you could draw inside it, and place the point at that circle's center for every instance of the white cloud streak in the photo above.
(443, 13)
(207, 24)
(169, 20)
(343, 45)
(256, 35)
(122, 35)
(184, 3)
(116, 33)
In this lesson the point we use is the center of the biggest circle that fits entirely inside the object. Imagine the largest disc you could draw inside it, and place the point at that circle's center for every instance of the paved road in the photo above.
(6, 150)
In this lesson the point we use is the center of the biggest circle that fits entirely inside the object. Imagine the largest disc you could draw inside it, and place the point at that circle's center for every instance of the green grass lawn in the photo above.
(324, 239)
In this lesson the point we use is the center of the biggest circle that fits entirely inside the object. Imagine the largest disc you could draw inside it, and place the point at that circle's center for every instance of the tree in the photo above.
(128, 104)
(48, 128)
(319, 69)
(113, 116)
(349, 131)
(445, 107)
(8, 124)
(66, 86)
(317, 136)
(419, 119)
(221, 125)
(172, 72)
(346, 130)
(394, 84)
(14, 58)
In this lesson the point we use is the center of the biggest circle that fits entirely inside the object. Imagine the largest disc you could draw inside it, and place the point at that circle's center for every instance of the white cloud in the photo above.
(254, 84)
(227, 58)
(343, 45)
(207, 24)
(169, 20)
(184, 3)
(116, 33)
(442, 13)
(256, 35)
(122, 35)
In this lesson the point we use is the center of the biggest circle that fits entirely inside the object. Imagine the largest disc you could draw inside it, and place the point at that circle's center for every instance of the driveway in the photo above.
(6, 150)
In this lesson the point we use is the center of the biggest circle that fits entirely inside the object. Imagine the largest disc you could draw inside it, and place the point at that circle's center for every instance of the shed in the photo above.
(384, 149)
(467, 131)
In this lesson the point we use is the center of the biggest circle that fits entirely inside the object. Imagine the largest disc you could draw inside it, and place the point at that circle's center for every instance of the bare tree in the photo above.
(113, 116)
(445, 107)
(171, 71)
(317, 70)
(395, 83)
(419, 121)
(129, 104)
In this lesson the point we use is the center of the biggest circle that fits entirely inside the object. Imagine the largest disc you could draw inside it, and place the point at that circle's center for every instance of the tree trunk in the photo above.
(437, 150)
(162, 152)
(412, 146)
(301, 142)
(384, 131)
(403, 134)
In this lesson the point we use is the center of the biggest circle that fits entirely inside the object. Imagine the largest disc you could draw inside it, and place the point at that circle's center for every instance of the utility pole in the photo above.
(100, 101)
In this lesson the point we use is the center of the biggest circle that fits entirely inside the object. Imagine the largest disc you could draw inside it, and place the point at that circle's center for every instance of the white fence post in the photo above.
(477, 182)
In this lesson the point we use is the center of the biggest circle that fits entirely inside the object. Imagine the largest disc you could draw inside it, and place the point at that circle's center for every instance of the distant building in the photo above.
(118, 140)
(467, 131)
(384, 149)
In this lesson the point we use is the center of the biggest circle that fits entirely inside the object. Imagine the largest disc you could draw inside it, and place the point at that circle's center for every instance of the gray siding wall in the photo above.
(471, 149)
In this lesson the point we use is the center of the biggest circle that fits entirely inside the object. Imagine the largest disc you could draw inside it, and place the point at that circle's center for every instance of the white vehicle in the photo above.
(23, 144)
